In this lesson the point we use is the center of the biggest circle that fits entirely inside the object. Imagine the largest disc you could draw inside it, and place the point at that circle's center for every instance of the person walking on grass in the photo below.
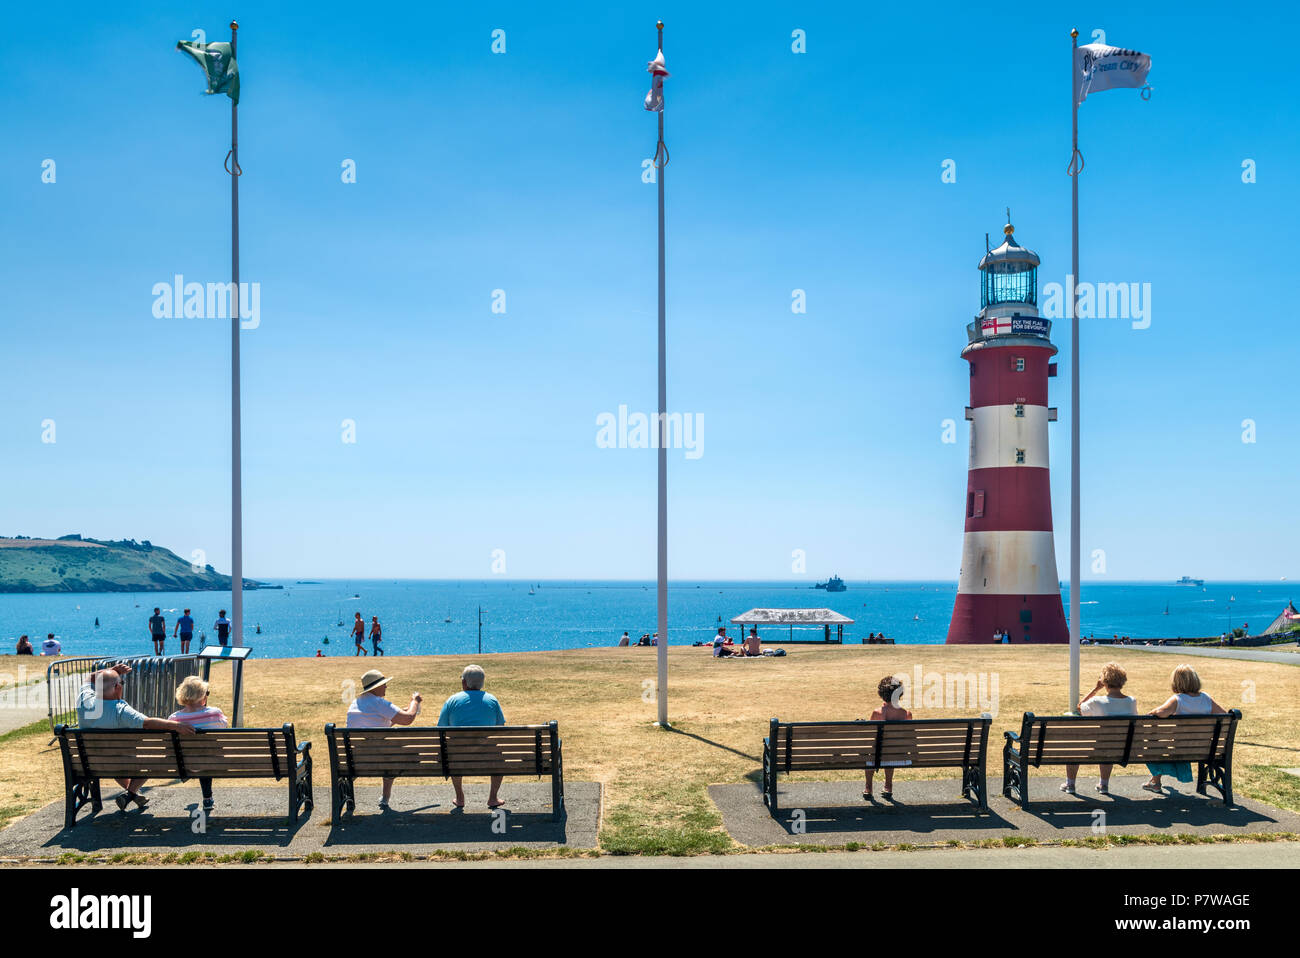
(359, 635)
(100, 706)
(371, 710)
(157, 630)
(376, 636)
(472, 706)
(889, 690)
(192, 697)
(185, 627)
(222, 625)
(1112, 701)
(1188, 699)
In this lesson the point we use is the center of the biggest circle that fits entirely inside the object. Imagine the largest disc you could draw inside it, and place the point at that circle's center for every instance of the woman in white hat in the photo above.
(371, 710)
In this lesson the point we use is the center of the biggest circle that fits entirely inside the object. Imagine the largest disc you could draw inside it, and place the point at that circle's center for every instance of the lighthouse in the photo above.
(1008, 580)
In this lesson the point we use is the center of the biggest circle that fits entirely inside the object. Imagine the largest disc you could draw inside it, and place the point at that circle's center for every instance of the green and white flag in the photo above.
(218, 66)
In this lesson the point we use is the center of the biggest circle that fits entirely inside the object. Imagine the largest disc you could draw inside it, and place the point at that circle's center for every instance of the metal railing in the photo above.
(150, 686)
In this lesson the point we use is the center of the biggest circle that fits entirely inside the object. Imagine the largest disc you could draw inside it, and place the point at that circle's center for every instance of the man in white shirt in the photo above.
(51, 646)
(371, 710)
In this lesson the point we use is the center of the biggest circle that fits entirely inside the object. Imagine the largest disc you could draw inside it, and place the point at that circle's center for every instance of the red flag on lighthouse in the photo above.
(654, 100)
(996, 326)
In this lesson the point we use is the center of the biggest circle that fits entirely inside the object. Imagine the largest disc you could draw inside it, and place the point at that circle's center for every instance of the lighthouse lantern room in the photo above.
(1008, 584)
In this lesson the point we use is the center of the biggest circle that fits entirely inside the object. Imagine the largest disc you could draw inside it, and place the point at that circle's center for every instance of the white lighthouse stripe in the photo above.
(1008, 563)
(996, 433)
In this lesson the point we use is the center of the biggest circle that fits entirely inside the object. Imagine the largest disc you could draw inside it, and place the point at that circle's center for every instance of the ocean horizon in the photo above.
(303, 616)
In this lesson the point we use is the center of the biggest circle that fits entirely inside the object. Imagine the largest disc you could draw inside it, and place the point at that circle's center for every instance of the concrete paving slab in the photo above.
(422, 821)
(834, 813)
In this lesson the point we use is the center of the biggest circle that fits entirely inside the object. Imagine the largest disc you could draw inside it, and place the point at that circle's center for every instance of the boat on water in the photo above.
(1188, 580)
(833, 584)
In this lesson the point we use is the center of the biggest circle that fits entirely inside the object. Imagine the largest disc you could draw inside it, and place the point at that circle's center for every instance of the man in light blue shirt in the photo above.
(472, 706)
(100, 706)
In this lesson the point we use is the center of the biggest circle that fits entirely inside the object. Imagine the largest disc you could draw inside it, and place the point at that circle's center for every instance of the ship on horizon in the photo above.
(833, 584)
(1188, 580)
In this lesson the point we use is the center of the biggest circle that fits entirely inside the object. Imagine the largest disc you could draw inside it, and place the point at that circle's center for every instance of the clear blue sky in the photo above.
(819, 171)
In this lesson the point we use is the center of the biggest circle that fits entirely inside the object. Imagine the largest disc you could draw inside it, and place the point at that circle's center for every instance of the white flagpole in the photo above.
(1075, 168)
(662, 587)
(236, 492)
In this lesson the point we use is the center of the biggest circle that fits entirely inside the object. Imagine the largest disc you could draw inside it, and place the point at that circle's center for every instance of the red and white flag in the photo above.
(996, 326)
(654, 100)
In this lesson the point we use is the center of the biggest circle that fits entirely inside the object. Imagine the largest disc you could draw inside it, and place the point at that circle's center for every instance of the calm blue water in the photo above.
(564, 615)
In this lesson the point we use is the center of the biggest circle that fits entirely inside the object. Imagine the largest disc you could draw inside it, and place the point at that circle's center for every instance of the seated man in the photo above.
(723, 646)
(472, 706)
(100, 705)
(752, 646)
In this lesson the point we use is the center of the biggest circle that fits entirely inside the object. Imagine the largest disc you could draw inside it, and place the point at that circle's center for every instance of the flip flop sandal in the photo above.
(1158, 789)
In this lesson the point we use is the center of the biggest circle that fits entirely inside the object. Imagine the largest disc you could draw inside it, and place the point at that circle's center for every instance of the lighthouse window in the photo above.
(1020, 364)
(1020, 410)
(1020, 457)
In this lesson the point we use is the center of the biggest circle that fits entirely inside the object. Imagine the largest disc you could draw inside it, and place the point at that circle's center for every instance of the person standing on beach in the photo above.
(157, 630)
(376, 635)
(184, 626)
(359, 635)
(222, 625)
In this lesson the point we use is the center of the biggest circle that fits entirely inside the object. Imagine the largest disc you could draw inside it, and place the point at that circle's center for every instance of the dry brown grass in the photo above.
(655, 781)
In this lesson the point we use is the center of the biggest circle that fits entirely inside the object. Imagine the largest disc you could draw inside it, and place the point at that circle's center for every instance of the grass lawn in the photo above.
(655, 780)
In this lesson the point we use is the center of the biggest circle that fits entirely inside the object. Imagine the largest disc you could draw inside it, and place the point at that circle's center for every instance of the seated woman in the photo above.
(1188, 699)
(890, 689)
(192, 697)
(25, 646)
(1113, 702)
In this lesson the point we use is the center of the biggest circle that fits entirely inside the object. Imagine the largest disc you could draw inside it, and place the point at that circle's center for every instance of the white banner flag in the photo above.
(1098, 67)
(654, 100)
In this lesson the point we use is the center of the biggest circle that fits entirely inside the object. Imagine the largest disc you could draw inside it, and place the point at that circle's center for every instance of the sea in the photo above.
(443, 617)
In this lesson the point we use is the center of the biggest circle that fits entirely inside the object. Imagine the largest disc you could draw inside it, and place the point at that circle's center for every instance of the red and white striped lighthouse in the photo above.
(1008, 577)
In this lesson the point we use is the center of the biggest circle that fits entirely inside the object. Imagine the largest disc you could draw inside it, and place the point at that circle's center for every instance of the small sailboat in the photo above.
(1166, 608)
(530, 591)
(448, 619)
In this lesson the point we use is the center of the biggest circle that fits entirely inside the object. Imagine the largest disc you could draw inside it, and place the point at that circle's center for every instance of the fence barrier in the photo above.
(150, 686)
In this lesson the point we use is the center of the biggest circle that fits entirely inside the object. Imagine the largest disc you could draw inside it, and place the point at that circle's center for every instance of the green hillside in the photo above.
(74, 564)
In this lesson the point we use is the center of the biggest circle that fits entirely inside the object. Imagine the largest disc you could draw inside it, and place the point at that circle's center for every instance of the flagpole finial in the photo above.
(1074, 33)
(234, 25)
(659, 25)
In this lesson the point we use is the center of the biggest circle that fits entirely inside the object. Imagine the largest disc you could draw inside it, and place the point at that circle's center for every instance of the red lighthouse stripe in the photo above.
(995, 381)
(1011, 498)
(976, 617)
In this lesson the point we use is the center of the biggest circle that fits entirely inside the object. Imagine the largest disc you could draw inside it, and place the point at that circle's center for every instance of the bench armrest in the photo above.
(1011, 737)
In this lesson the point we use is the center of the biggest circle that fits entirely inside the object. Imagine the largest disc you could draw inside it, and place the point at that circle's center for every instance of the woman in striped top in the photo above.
(192, 697)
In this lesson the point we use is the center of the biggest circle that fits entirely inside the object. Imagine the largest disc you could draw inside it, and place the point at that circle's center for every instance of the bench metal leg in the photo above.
(300, 793)
(1213, 775)
(81, 792)
(769, 781)
(558, 811)
(341, 797)
(973, 780)
(1015, 778)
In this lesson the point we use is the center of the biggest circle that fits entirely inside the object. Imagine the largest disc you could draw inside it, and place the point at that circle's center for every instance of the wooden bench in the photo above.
(862, 744)
(92, 754)
(1121, 740)
(429, 751)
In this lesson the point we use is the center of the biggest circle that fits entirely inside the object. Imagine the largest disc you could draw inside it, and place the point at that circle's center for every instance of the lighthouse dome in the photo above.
(1010, 273)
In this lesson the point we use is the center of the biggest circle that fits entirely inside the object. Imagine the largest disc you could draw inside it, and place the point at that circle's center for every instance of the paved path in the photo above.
(26, 703)
(925, 812)
(252, 817)
(1222, 857)
(1214, 651)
